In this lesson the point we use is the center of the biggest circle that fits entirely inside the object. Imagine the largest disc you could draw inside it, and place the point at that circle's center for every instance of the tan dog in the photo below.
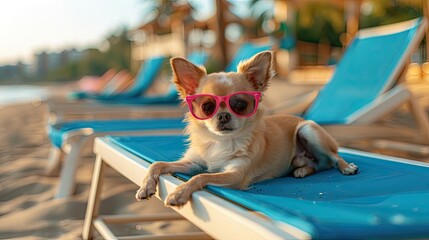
(235, 143)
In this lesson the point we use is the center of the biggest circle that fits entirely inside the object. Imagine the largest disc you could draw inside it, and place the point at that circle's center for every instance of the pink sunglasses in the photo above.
(242, 104)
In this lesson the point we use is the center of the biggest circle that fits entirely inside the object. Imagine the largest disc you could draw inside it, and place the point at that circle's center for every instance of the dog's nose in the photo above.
(224, 117)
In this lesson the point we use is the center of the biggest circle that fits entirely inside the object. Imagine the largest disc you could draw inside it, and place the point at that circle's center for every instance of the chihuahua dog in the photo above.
(231, 142)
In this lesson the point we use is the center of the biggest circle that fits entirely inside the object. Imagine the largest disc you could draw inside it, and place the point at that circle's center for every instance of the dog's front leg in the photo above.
(232, 179)
(148, 187)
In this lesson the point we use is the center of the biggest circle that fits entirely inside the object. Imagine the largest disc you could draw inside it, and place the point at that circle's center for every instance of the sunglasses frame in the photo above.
(225, 99)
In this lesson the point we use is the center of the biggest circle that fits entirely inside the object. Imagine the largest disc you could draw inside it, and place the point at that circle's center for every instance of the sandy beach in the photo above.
(28, 209)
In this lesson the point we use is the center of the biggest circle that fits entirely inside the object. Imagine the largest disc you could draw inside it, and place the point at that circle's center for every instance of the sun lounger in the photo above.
(386, 199)
(144, 79)
(364, 87)
(82, 103)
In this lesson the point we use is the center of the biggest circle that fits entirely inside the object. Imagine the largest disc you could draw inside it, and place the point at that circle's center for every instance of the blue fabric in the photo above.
(79, 95)
(170, 97)
(148, 71)
(385, 199)
(246, 51)
(198, 57)
(362, 74)
(57, 131)
(145, 77)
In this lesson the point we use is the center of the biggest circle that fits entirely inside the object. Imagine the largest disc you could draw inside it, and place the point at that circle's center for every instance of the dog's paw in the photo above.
(147, 189)
(179, 197)
(300, 172)
(351, 169)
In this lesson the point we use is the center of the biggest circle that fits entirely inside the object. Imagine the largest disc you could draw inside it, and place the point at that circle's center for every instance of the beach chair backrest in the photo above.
(370, 66)
(198, 57)
(146, 75)
(246, 51)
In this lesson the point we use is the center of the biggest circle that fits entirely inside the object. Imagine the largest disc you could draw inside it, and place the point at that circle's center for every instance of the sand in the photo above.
(28, 209)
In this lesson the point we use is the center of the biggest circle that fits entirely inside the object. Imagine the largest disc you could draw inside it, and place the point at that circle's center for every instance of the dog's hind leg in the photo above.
(303, 162)
(323, 148)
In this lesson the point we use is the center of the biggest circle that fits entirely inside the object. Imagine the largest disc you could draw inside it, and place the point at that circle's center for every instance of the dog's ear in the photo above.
(186, 76)
(259, 69)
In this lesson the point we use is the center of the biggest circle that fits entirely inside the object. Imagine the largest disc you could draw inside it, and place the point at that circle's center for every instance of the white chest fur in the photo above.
(219, 155)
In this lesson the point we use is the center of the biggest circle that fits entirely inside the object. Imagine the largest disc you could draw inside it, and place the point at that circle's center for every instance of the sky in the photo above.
(33, 26)
(30, 26)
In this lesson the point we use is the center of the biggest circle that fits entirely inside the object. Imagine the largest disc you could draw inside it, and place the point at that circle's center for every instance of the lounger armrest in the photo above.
(389, 102)
(380, 107)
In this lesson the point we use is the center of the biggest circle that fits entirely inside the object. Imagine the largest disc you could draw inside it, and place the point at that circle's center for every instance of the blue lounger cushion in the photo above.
(385, 199)
(246, 51)
(362, 75)
(58, 131)
(145, 78)
(170, 97)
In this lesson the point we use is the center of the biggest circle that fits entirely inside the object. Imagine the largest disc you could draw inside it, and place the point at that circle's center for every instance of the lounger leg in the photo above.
(54, 162)
(94, 198)
(68, 172)
(421, 118)
(55, 116)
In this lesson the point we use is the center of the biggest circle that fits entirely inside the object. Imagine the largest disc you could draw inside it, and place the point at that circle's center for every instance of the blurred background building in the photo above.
(46, 62)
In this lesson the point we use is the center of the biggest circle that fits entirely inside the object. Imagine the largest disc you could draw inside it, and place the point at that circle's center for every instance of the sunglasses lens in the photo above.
(242, 104)
(204, 106)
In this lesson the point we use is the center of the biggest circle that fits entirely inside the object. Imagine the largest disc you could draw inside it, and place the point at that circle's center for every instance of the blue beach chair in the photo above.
(70, 137)
(133, 102)
(169, 97)
(144, 79)
(364, 87)
(386, 199)
(82, 104)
